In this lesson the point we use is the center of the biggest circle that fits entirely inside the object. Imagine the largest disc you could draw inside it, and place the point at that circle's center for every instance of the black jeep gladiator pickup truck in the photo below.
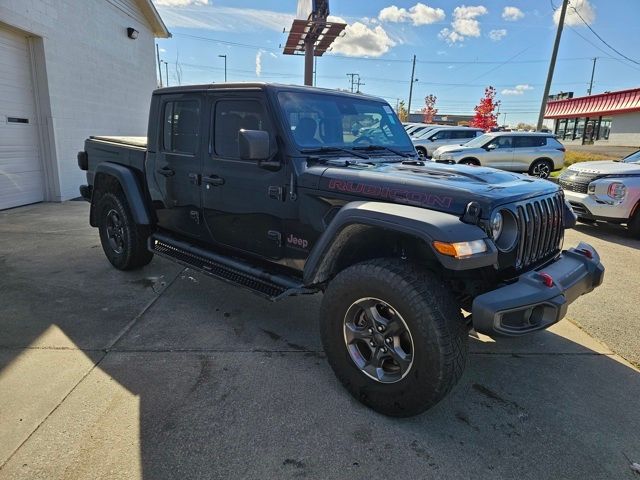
(288, 190)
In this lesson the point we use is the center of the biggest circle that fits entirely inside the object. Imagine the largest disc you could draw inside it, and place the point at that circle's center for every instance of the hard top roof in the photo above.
(260, 86)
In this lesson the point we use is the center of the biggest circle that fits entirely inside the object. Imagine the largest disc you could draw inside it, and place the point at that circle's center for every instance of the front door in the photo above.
(501, 154)
(177, 164)
(243, 204)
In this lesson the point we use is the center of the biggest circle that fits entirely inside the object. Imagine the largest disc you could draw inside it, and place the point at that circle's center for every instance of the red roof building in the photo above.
(612, 118)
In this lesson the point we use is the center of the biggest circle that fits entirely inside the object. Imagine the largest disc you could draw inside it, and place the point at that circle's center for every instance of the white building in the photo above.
(69, 69)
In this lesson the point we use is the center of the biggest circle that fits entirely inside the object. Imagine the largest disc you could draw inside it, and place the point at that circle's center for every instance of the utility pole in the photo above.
(315, 71)
(593, 71)
(413, 71)
(552, 64)
(225, 66)
(358, 83)
(351, 76)
(166, 68)
(159, 66)
(309, 43)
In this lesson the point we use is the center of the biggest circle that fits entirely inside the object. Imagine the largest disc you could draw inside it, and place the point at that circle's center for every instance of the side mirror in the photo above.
(253, 144)
(433, 139)
(491, 146)
(256, 145)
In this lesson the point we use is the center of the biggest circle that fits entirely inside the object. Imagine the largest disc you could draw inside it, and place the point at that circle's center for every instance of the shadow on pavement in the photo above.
(609, 232)
(212, 382)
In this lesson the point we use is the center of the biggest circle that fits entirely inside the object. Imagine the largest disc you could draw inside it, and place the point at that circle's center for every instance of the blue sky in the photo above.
(460, 48)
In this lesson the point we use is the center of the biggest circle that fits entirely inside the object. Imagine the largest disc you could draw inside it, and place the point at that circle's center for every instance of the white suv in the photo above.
(438, 137)
(606, 191)
(535, 153)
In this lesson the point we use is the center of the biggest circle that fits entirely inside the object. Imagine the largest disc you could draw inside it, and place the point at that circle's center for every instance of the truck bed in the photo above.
(129, 141)
(128, 151)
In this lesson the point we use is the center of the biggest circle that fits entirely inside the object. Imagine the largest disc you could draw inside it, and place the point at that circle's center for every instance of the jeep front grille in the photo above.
(541, 227)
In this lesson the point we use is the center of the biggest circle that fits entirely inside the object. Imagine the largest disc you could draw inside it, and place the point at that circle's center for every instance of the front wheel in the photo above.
(422, 151)
(123, 241)
(393, 335)
(634, 224)
(541, 168)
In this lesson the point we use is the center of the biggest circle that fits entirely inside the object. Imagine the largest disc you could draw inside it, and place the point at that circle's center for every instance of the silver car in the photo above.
(535, 153)
(443, 135)
(606, 191)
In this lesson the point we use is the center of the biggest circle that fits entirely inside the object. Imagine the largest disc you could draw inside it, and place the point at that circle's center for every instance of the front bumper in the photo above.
(587, 206)
(529, 304)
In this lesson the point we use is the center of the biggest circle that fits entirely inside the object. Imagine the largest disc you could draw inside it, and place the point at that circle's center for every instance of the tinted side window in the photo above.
(529, 142)
(181, 128)
(503, 142)
(442, 135)
(231, 116)
(465, 134)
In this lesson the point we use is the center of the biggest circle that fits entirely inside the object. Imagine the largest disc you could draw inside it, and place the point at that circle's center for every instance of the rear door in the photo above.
(177, 165)
(243, 204)
(526, 149)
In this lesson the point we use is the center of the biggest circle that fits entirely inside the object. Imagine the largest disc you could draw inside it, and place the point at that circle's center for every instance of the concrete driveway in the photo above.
(163, 373)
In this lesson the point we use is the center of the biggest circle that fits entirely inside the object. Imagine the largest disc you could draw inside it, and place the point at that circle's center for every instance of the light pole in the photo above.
(225, 66)
(166, 69)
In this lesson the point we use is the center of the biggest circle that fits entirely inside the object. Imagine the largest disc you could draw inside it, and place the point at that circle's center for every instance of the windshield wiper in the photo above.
(326, 149)
(371, 148)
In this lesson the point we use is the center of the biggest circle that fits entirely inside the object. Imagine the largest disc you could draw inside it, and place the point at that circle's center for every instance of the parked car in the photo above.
(265, 187)
(420, 128)
(443, 135)
(605, 191)
(425, 131)
(535, 153)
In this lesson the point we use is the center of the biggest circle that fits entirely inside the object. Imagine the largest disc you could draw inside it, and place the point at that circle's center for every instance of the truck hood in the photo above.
(606, 167)
(447, 188)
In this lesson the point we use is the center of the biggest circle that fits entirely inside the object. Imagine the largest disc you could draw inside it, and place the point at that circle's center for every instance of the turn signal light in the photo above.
(460, 249)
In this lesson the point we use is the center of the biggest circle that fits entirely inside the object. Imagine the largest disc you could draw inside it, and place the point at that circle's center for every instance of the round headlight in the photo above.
(495, 225)
(508, 237)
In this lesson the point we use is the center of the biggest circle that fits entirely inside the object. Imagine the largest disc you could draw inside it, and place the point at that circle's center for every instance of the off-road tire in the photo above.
(435, 322)
(133, 252)
(634, 224)
(541, 168)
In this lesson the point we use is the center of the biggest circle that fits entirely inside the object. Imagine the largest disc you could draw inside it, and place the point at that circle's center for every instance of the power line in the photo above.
(602, 39)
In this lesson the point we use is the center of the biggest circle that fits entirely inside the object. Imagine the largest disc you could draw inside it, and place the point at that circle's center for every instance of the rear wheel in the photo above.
(393, 335)
(123, 241)
(541, 168)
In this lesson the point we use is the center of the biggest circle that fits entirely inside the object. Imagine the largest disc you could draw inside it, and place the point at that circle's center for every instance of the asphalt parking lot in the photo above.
(164, 373)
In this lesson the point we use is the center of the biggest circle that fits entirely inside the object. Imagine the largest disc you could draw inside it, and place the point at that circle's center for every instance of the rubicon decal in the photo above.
(401, 195)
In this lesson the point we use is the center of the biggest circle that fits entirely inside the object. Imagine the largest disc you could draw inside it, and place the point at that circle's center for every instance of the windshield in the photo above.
(320, 120)
(633, 158)
(480, 141)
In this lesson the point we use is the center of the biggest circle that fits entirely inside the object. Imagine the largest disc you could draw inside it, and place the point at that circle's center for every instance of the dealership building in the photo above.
(609, 118)
(69, 69)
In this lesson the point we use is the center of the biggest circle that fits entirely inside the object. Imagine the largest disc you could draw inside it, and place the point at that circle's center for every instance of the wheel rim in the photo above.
(541, 170)
(378, 340)
(115, 231)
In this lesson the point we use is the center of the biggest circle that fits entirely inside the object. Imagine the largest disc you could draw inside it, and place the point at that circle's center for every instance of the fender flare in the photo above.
(426, 225)
(131, 187)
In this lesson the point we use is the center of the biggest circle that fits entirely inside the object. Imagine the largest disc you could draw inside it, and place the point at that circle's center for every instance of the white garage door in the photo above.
(21, 175)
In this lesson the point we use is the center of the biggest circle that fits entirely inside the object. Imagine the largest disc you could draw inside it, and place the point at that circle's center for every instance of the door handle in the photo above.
(166, 171)
(214, 180)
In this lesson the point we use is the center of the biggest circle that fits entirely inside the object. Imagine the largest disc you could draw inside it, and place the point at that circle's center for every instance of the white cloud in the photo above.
(511, 14)
(583, 7)
(517, 90)
(258, 63)
(419, 14)
(223, 19)
(464, 24)
(180, 3)
(497, 35)
(360, 40)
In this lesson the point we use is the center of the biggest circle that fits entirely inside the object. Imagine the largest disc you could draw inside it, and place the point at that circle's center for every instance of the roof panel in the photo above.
(610, 103)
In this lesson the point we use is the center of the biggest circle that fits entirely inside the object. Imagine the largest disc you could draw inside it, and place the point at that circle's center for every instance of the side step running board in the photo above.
(232, 270)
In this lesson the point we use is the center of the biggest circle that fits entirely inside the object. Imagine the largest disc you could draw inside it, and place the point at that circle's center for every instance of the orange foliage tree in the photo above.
(485, 117)
(429, 111)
